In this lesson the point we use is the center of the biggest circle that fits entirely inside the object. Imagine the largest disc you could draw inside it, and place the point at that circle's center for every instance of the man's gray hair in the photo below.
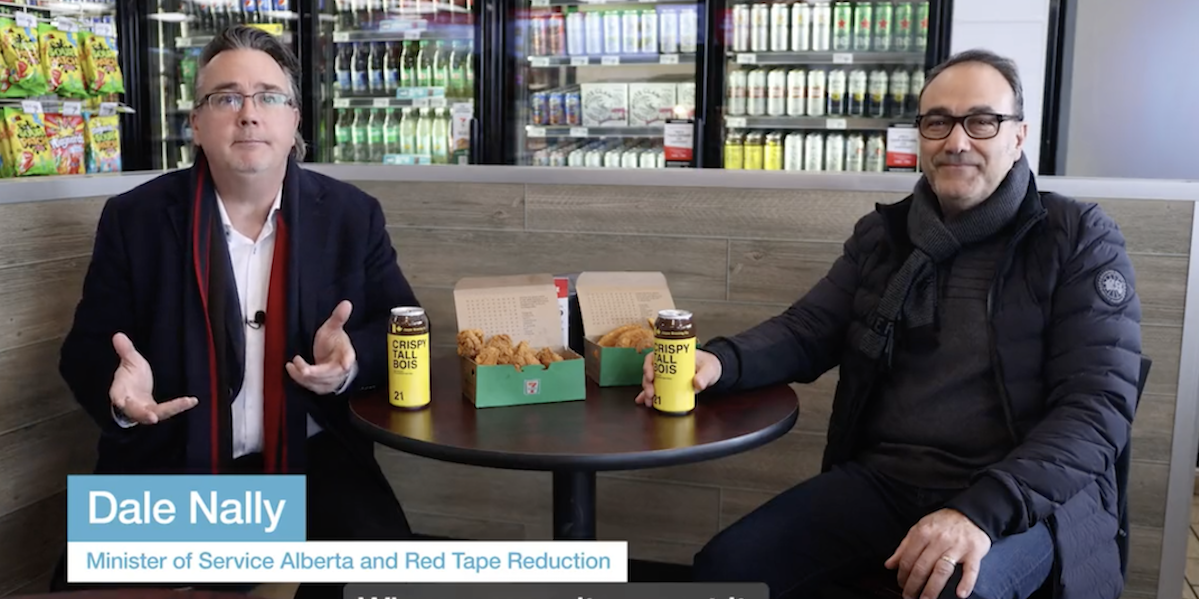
(243, 37)
(1005, 66)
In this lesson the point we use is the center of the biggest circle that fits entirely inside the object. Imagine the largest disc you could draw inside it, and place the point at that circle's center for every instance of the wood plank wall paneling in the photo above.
(736, 257)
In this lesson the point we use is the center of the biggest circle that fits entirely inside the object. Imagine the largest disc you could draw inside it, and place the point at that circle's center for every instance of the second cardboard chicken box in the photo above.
(510, 343)
(619, 309)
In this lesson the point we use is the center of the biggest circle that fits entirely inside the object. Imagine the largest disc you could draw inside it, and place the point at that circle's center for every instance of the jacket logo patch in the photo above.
(1112, 287)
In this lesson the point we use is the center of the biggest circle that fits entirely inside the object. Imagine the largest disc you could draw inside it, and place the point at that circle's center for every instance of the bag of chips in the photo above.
(103, 137)
(101, 71)
(29, 149)
(61, 60)
(65, 133)
(19, 46)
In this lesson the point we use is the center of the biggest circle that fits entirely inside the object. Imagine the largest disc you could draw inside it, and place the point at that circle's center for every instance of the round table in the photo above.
(573, 439)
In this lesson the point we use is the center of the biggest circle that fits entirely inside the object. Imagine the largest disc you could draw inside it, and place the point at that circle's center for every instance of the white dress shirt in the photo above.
(251, 260)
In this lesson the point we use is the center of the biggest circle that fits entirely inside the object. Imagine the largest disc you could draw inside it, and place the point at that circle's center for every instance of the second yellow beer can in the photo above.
(408, 358)
(674, 362)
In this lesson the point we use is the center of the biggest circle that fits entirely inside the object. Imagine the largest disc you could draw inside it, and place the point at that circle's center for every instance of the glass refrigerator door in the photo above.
(595, 82)
(398, 82)
(823, 86)
(177, 31)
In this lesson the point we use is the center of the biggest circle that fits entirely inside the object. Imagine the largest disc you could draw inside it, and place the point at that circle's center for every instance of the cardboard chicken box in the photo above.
(507, 327)
(618, 311)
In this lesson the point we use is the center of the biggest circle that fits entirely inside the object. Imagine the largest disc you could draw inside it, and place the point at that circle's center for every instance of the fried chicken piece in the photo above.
(547, 356)
(500, 342)
(488, 356)
(638, 338)
(609, 340)
(470, 342)
(524, 355)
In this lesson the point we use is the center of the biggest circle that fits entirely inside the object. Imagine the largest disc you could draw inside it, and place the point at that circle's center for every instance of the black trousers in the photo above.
(347, 501)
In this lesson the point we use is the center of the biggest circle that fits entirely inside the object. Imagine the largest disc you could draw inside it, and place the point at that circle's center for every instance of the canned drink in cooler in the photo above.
(780, 37)
(612, 32)
(576, 37)
(612, 158)
(541, 158)
(741, 28)
(899, 85)
(857, 92)
(817, 96)
(557, 108)
(822, 26)
(668, 30)
(595, 158)
(901, 32)
(649, 31)
(648, 159)
(855, 153)
(843, 27)
(797, 92)
(801, 27)
(883, 25)
(557, 157)
(630, 158)
(756, 99)
(776, 93)
(773, 159)
(539, 35)
(594, 23)
(793, 152)
(863, 26)
(917, 84)
(753, 151)
(578, 157)
(836, 92)
(734, 150)
(738, 92)
(920, 26)
(759, 19)
(539, 109)
(688, 29)
(556, 34)
(631, 32)
(876, 154)
(834, 153)
(876, 98)
(574, 108)
(813, 152)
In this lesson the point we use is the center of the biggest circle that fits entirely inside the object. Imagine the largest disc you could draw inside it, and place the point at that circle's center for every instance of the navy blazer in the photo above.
(137, 281)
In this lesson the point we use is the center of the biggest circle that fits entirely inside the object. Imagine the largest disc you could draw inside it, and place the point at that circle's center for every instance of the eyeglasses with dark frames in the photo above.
(980, 125)
(234, 101)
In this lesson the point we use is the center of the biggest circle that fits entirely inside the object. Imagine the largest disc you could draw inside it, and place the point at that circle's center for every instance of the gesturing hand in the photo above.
(707, 372)
(932, 549)
(132, 390)
(333, 353)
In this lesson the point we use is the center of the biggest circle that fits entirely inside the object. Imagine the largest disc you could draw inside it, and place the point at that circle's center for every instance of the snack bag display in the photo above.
(19, 46)
(28, 147)
(101, 72)
(66, 136)
(61, 61)
(103, 135)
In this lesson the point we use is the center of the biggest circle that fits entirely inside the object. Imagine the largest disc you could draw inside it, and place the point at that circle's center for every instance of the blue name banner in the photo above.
(190, 508)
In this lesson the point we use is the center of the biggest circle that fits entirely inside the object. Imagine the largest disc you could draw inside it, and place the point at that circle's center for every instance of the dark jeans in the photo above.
(848, 521)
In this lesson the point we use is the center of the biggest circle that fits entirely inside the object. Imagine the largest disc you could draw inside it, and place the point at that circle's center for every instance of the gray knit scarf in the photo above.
(911, 295)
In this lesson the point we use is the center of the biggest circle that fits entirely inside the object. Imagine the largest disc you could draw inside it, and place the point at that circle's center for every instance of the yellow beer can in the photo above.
(674, 362)
(408, 350)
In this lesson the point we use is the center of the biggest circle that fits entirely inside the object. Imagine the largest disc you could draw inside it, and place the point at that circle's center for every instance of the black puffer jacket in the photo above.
(1065, 334)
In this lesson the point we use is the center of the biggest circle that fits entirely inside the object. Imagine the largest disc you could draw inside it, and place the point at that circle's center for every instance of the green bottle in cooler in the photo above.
(344, 149)
(424, 130)
(440, 137)
(407, 131)
(359, 140)
(375, 136)
(391, 133)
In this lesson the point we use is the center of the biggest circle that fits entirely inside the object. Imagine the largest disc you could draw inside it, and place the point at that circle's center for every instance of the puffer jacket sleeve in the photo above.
(806, 340)
(1092, 353)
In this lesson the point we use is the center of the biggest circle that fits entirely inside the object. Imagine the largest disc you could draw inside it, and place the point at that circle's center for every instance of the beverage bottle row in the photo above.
(605, 153)
(666, 29)
(211, 17)
(829, 26)
(380, 68)
(799, 151)
(368, 15)
(821, 92)
(369, 134)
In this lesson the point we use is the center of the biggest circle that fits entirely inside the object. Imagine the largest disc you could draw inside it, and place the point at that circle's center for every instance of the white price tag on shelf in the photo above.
(539, 61)
(838, 124)
(747, 59)
(108, 108)
(25, 19)
(381, 102)
(412, 34)
(31, 106)
(595, 1)
(610, 60)
(842, 58)
(103, 29)
(540, 3)
(341, 37)
(578, 132)
(536, 131)
(65, 24)
(437, 102)
(735, 122)
(420, 102)
(669, 59)
(579, 61)
(72, 108)
(341, 103)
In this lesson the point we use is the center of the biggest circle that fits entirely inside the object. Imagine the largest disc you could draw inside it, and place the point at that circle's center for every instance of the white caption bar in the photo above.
(344, 562)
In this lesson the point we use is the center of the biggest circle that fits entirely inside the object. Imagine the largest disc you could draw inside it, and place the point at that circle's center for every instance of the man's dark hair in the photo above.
(1005, 66)
(244, 37)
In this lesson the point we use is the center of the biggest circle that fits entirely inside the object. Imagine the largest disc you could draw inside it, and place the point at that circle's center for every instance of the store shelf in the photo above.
(429, 102)
(452, 32)
(199, 41)
(590, 132)
(871, 58)
(810, 122)
(610, 61)
(549, 3)
(57, 106)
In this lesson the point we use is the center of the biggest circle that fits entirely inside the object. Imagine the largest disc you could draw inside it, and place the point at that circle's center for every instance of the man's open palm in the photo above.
(333, 353)
(132, 390)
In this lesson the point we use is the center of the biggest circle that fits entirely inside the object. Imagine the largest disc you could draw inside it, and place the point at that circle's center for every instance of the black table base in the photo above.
(574, 505)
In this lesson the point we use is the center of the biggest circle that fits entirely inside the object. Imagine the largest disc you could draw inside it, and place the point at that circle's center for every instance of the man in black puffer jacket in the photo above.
(988, 339)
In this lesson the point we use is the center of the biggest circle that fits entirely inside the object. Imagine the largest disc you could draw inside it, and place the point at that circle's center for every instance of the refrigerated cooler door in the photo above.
(822, 86)
(595, 83)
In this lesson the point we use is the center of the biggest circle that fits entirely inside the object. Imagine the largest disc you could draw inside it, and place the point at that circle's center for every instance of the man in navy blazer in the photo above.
(230, 308)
